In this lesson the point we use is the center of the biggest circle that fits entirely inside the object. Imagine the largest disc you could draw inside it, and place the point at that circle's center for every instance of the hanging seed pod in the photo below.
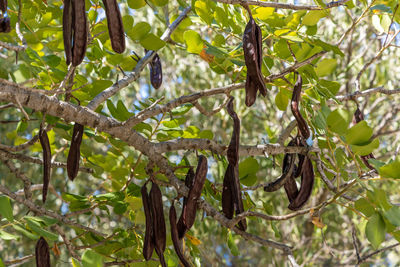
(176, 241)
(307, 183)
(228, 203)
(156, 72)
(148, 244)
(79, 26)
(252, 48)
(3, 6)
(291, 189)
(287, 171)
(190, 209)
(189, 180)
(115, 25)
(75, 151)
(42, 253)
(294, 104)
(5, 25)
(160, 235)
(44, 142)
(67, 30)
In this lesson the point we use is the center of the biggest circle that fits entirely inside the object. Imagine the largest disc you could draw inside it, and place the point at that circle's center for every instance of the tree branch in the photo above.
(282, 5)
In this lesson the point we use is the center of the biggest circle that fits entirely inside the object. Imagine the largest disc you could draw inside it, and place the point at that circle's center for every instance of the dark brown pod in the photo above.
(189, 180)
(5, 25)
(190, 209)
(228, 203)
(294, 104)
(233, 148)
(3, 6)
(115, 25)
(160, 235)
(42, 253)
(148, 244)
(252, 48)
(287, 171)
(79, 24)
(67, 30)
(291, 189)
(44, 142)
(156, 72)
(75, 151)
(307, 183)
(176, 241)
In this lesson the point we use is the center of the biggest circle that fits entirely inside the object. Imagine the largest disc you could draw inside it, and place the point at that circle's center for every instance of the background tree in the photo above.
(347, 54)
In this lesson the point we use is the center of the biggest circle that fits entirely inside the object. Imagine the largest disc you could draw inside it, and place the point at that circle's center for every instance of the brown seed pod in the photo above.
(307, 183)
(287, 171)
(5, 25)
(252, 48)
(160, 235)
(44, 142)
(233, 148)
(79, 25)
(3, 6)
(67, 30)
(189, 180)
(42, 253)
(176, 241)
(294, 104)
(115, 25)
(75, 151)
(190, 209)
(148, 244)
(291, 189)
(156, 72)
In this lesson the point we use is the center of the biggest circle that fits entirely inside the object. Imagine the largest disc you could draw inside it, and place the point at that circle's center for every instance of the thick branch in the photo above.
(282, 5)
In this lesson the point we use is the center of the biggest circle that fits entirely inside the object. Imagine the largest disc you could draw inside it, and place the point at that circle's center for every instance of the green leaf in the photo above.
(313, 16)
(152, 42)
(375, 230)
(364, 206)
(281, 100)
(338, 120)
(393, 215)
(365, 149)
(232, 246)
(249, 179)
(359, 134)
(136, 4)
(326, 67)
(160, 2)
(36, 227)
(247, 171)
(1, 263)
(75, 263)
(203, 10)
(391, 170)
(25, 232)
(8, 236)
(139, 31)
(193, 41)
(91, 259)
(6, 209)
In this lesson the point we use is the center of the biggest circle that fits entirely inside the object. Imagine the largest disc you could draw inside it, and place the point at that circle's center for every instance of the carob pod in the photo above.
(156, 72)
(160, 235)
(190, 209)
(80, 31)
(307, 183)
(148, 244)
(115, 25)
(67, 30)
(5, 25)
(44, 142)
(288, 167)
(359, 116)
(252, 48)
(291, 189)
(3, 6)
(75, 151)
(294, 104)
(231, 193)
(189, 179)
(42, 253)
(176, 241)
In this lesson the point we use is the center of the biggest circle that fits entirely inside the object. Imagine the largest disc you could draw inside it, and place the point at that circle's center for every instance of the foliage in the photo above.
(350, 55)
